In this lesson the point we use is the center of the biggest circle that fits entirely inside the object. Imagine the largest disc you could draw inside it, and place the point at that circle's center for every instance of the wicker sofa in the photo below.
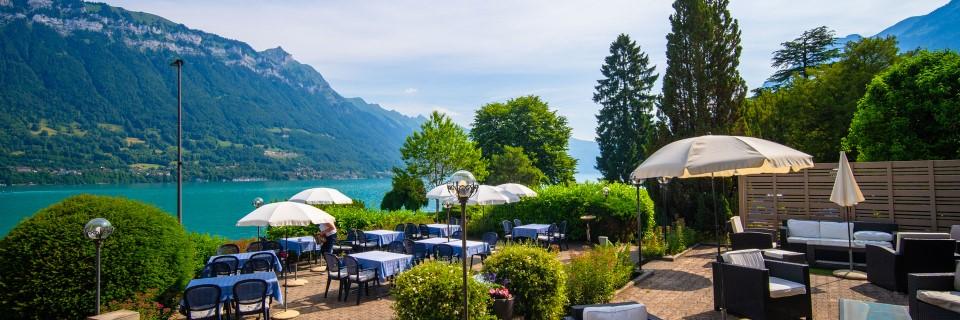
(934, 296)
(796, 235)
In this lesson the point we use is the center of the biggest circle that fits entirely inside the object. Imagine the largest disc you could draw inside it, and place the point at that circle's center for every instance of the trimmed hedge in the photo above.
(616, 213)
(595, 275)
(432, 290)
(353, 217)
(535, 278)
(49, 264)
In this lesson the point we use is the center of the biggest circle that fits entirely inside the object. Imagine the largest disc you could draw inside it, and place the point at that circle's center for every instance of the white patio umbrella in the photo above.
(486, 195)
(440, 194)
(283, 214)
(321, 196)
(519, 190)
(846, 193)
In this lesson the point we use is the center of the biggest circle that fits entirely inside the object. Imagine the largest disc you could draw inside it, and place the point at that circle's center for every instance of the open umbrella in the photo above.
(519, 190)
(441, 194)
(321, 196)
(486, 195)
(282, 214)
(846, 193)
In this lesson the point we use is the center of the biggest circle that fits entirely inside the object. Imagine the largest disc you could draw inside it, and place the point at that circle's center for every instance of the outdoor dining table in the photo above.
(383, 237)
(226, 284)
(299, 245)
(243, 257)
(387, 263)
(429, 243)
(473, 247)
(530, 230)
(443, 229)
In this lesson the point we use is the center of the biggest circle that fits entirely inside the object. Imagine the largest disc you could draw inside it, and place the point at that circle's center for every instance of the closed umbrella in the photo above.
(283, 214)
(321, 196)
(846, 193)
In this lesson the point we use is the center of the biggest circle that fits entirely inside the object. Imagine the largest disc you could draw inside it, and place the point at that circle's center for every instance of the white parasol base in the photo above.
(286, 314)
(295, 283)
(850, 274)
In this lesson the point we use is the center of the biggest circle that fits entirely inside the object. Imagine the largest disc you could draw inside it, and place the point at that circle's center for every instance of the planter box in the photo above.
(503, 308)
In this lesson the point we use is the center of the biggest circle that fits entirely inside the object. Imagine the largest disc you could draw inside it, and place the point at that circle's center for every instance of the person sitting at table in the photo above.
(329, 233)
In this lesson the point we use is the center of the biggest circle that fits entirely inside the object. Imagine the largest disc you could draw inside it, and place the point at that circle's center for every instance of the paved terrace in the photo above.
(676, 290)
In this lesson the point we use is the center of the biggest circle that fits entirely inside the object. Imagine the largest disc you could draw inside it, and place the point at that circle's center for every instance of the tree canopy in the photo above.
(624, 125)
(814, 47)
(513, 166)
(407, 192)
(439, 149)
(529, 123)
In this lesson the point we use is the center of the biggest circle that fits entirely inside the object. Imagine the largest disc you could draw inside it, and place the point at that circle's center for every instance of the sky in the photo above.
(456, 56)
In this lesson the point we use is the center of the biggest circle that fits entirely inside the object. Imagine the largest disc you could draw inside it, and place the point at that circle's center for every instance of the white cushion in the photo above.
(800, 239)
(949, 300)
(779, 254)
(803, 228)
(864, 243)
(622, 312)
(835, 230)
(751, 258)
(920, 235)
(780, 288)
(872, 236)
(736, 224)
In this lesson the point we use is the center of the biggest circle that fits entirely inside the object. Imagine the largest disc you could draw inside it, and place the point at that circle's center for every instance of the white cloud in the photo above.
(410, 91)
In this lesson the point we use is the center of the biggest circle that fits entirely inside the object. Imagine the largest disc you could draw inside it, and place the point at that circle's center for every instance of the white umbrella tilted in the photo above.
(321, 196)
(519, 190)
(721, 156)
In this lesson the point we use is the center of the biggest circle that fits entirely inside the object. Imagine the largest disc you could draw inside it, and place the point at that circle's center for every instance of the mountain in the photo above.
(586, 153)
(939, 29)
(87, 94)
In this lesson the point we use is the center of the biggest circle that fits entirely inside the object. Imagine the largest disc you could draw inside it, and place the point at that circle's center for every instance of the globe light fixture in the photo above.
(98, 230)
(257, 203)
(463, 185)
(606, 192)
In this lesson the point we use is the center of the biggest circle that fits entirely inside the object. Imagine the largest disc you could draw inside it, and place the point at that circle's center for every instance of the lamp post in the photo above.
(179, 64)
(449, 207)
(257, 203)
(639, 230)
(663, 197)
(463, 185)
(97, 230)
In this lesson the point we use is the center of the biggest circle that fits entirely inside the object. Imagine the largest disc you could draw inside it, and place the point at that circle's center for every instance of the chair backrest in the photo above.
(264, 256)
(352, 235)
(255, 246)
(352, 265)
(507, 227)
(218, 269)
(490, 238)
(517, 223)
(751, 258)
(457, 235)
(361, 236)
(257, 265)
(918, 235)
(928, 255)
(202, 300)
(453, 221)
(736, 225)
(272, 245)
(228, 249)
(420, 251)
(409, 246)
(444, 251)
(250, 295)
(333, 263)
(396, 246)
(424, 230)
(400, 227)
(411, 230)
(231, 261)
(563, 227)
(751, 240)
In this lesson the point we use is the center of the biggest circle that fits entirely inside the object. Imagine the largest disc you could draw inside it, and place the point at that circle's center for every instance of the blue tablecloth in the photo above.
(441, 229)
(243, 257)
(530, 230)
(473, 247)
(226, 284)
(388, 263)
(429, 243)
(299, 245)
(384, 237)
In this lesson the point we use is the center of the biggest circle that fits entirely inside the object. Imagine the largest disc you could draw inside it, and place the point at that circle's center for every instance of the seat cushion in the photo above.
(864, 243)
(780, 288)
(364, 275)
(872, 236)
(622, 312)
(949, 300)
(800, 239)
(751, 258)
(803, 228)
(835, 230)
(780, 254)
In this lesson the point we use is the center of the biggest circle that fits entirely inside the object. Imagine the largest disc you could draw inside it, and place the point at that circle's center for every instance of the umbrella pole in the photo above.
(716, 233)
(448, 222)
(850, 273)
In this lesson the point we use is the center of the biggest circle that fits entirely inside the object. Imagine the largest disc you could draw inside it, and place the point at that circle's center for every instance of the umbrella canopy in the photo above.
(441, 192)
(321, 196)
(285, 213)
(488, 195)
(846, 192)
(517, 189)
(721, 156)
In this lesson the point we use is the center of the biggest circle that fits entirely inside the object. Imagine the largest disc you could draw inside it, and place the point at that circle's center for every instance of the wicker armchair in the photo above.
(888, 268)
(762, 289)
(920, 310)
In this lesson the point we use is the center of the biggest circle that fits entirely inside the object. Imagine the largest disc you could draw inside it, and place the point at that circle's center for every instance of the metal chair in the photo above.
(550, 237)
(201, 302)
(400, 227)
(231, 261)
(396, 246)
(562, 236)
(217, 269)
(517, 223)
(228, 249)
(363, 243)
(457, 235)
(256, 265)
(362, 277)
(418, 250)
(444, 252)
(255, 246)
(265, 257)
(250, 297)
(507, 229)
(491, 239)
(335, 272)
(412, 232)
(425, 232)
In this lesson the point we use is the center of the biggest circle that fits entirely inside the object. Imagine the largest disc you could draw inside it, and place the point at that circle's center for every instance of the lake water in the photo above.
(210, 207)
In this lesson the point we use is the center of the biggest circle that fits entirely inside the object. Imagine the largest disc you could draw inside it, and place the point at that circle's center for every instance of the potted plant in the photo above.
(502, 303)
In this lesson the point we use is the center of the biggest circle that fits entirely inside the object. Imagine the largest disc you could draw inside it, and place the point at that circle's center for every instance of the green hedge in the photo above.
(204, 246)
(535, 278)
(593, 277)
(49, 264)
(432, 290)
(353, 217)
(616, 213)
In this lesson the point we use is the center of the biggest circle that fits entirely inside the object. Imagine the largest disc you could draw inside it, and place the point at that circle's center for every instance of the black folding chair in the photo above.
(362, 277)
(228, 249)
(201, 302)
(250, 297)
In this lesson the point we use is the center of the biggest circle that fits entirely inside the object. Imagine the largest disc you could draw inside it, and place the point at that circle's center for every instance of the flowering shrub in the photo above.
(500, 293)
(144, 303)
(536, 279)
(433, 290)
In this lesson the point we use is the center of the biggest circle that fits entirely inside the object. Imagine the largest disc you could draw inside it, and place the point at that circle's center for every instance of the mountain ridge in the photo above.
(939, 29)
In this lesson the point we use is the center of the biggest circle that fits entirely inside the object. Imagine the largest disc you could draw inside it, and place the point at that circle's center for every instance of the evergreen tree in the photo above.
(624, 125)
(814, 47)
(513, 166)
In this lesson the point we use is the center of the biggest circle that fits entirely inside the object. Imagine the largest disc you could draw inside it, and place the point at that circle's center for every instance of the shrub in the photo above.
(616, 213)
(536, 279)
(49, 263)
(352, 217)
(593, 277)
(432, 290)
(204, 246)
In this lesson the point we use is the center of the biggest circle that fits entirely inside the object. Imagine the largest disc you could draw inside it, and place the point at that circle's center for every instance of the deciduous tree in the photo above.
(513, 166)
(439, 149)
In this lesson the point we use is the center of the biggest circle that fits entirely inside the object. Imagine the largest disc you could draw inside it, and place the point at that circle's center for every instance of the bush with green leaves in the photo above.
(434, 290)
(49, 264)
(616, 212)
(204, 246)
(534, 276)
(592, 277)
(349, 217)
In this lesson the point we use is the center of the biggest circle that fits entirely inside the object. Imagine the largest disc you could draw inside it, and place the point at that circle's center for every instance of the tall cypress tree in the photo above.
(624, 123)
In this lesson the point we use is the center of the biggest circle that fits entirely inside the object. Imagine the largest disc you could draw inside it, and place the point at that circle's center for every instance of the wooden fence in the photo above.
(917, 195)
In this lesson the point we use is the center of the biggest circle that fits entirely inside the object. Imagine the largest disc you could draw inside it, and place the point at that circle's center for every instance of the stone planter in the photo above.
(503, 308)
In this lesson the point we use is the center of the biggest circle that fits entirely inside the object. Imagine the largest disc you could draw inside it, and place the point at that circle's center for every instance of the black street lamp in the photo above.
(640, 271)
(179, 64)
(463, 185)
(664, 181)
(98, 229)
